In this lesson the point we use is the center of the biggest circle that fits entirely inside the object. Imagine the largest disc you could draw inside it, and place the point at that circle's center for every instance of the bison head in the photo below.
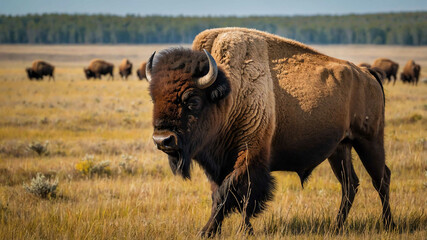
(416, 69)
(188, 92)
(88, 73)
(29, 73)
(32, 74)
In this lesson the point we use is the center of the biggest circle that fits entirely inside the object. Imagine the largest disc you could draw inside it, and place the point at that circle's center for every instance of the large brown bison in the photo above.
(125, 68)
(39, 69)
(388, 66)
(98, 67)
(141, 71)
(411, 72)
(263, 103)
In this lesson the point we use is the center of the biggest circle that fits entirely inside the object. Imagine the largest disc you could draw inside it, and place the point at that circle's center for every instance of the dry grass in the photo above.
(108, 119)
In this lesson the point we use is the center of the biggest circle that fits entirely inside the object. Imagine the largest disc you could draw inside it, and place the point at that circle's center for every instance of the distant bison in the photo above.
(388, 66)
(411, 72)
(125, 68)
(141, 71)
(375, 71)
(262, 103)
(98, 67)
(39, 69)
(366, 65)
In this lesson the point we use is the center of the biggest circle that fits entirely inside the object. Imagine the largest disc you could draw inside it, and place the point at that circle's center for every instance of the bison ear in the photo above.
(220, 89)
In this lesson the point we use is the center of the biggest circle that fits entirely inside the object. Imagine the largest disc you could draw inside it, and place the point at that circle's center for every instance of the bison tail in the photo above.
(379, 79)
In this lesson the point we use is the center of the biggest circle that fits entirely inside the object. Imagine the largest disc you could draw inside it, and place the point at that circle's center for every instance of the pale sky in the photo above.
(211, 8)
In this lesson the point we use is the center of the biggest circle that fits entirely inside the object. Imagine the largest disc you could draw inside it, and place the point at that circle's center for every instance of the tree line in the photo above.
(408, 28)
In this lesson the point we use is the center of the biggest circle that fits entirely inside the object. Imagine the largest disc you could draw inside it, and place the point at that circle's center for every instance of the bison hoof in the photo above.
(390, 226)
(247, 228)
(209, 231)
(206, 234)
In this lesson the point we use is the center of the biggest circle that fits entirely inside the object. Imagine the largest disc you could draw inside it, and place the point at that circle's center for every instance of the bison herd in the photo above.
(383, 68)
(386, 69)
(96, 68)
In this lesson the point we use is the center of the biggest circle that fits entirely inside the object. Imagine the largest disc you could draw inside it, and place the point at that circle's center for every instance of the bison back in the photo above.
(42, 67)
(125, 65)
(100, 66)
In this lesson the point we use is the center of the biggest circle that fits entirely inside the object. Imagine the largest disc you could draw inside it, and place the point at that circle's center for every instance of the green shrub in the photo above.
(42, 187)
(101, 168)
(128, 165)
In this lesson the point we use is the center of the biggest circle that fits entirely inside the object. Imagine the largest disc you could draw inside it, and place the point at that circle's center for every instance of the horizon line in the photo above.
(204, 16)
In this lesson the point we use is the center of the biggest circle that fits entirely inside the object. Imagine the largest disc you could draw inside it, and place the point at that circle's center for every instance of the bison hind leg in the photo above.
(342, 167)
(372, 155)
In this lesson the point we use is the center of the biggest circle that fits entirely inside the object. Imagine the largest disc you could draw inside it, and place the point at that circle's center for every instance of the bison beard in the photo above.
(180, 163)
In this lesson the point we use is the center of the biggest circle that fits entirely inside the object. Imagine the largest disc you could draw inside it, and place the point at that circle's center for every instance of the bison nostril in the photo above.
(165, 141)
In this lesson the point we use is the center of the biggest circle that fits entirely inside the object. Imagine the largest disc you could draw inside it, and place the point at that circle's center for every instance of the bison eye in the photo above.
(194, 103)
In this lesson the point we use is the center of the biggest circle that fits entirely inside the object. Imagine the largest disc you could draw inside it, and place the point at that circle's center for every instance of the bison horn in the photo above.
(210, 77)
(149, 67)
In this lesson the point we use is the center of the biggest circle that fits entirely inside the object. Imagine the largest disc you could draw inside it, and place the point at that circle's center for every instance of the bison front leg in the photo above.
(214, 223)
(246, 190)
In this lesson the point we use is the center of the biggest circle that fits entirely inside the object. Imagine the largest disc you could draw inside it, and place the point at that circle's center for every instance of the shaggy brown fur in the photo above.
(98, 67)
(411, 72)
(39, 69)
(125, 68)
(141, 71)
(388, 66)
(276, 105)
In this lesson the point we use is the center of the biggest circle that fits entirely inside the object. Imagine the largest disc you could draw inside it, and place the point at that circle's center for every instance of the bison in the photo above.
(39, 69)
(141, 71)
(376, 71)
(388, 66)
(411, 72)
(243, 103)
(98, 67)
(125, 68)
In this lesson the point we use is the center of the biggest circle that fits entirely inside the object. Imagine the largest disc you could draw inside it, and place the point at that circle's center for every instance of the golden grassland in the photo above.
(112, 118)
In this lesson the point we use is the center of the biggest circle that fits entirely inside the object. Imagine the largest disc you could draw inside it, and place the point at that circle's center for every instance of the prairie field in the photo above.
(80, 124)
